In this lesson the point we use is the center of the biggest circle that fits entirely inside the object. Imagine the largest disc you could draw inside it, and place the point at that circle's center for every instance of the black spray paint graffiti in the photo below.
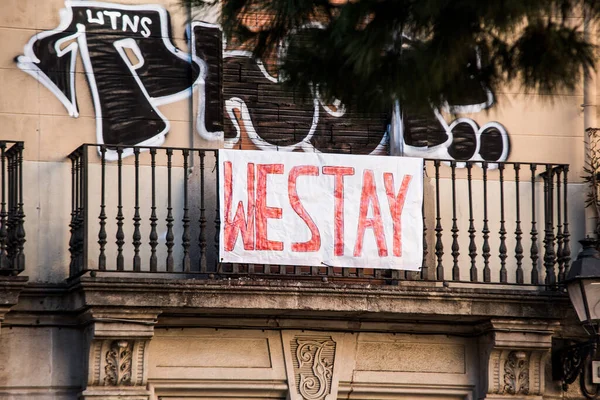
(132, 67)
(431, 136)
(130, 64)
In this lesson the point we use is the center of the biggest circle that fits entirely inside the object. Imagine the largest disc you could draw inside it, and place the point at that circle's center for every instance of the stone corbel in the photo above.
(513, 358)
(117, 343)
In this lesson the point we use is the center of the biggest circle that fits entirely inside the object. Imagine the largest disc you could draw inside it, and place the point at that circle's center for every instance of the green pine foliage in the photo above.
(420, 52)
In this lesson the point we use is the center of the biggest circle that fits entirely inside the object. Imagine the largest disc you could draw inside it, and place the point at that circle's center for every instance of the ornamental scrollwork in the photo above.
(516, 373)
(314, 363)
(118, 363)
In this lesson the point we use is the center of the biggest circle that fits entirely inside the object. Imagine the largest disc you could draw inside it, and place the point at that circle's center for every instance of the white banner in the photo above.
(321, 209)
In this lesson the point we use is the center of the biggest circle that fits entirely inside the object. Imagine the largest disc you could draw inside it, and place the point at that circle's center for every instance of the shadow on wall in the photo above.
(133, 67)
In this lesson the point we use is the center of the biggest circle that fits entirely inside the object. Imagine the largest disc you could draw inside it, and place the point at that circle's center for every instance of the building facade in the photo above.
(112, 288)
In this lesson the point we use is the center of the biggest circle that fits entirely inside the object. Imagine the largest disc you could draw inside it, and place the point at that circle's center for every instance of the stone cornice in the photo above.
(434, 301)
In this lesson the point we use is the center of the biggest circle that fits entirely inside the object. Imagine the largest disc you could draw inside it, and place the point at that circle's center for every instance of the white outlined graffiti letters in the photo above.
(130, 63)
(132, 67)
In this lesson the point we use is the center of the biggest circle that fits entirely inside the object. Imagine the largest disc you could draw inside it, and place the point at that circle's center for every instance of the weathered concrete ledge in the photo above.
(245, 298)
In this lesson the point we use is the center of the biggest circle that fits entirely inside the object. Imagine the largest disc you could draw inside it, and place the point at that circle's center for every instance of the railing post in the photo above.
(559, 233)
(153, 219)
(120, 236)
(549, 255)
(518, 232)
(217, 212)
(4, 261)
(566, 235)
(72, 240)
(11, 208)
(202, 221)
(84, 211)
(102, 236)
(454, 230)
(472, 245)
(485, 249)
(535, 276)
(185, 236)
(424, 266)
(170, 237)
(502, 249)
(439, 246)
(137, 235)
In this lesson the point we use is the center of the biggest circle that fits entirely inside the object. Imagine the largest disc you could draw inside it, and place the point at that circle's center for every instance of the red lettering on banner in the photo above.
(338, 193)
(240, 222)
(396, 203)
(263, 212)
(369, 196)
(315, 241)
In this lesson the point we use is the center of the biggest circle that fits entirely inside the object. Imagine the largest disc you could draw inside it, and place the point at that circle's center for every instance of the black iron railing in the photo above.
(156, 210)
(12, 217)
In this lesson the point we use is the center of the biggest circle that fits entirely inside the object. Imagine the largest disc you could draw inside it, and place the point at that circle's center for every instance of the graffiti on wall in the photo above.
(130, 63)
(132, 68)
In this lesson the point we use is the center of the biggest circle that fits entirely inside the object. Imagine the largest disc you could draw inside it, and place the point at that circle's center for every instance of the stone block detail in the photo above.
(516, 355)
(117, 343)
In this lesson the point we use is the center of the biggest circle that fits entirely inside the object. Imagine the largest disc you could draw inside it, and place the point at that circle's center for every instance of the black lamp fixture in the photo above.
(583, 286)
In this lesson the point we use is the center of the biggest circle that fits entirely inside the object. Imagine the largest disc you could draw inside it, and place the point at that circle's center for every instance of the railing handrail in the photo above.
(210, 149)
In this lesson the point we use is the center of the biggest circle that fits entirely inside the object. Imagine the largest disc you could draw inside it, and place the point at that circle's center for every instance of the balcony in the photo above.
(151, 212)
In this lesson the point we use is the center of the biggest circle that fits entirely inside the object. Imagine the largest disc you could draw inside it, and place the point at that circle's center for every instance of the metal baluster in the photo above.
(518, 232)
(487, 276)
(137, 235)
(102, 236)
(566, 235)
(454, 230)
(76, 264)
(424, 266)
(217, 213)
(502, 249)
(120, 234)
(3, 231)
(83, 206)
(185, 237)
(170, 237)
(202, 237)
(153, 234)
(439, 246)
(535, 276)
(12, 209)
(559, 234)
(549, 255)
(72, 224)
(472, 244)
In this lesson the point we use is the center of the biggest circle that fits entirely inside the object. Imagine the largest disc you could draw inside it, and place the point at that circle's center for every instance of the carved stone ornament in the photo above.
(516, 373)
(118, 363)
(313, 366)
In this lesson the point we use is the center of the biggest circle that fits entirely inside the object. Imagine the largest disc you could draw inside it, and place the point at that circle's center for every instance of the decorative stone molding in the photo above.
(117, 348)
(117, 362)
(515, 353)
(311, 364)
(516, 373)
